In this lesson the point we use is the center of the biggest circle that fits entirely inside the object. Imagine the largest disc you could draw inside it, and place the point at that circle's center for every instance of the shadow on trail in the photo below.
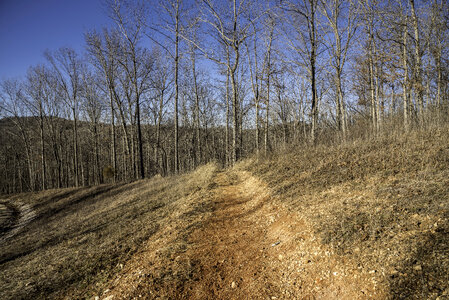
(231, 216)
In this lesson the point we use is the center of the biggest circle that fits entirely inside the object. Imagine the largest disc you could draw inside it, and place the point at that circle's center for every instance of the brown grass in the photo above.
(369, 218)
(79, 238)
(383, 202)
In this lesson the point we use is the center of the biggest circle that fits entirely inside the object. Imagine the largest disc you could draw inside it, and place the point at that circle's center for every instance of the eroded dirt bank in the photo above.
(244, 244)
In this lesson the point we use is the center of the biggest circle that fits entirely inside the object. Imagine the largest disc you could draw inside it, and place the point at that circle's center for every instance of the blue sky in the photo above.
(28, 27)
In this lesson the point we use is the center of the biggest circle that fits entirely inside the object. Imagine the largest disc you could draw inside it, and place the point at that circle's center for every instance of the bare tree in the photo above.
(54, 106)
(228, 26)
(405, 66)
(260, 66)
(269, 36)
(438, 43)
(12, 103)
(196, 88)
(256, 70)
(369, 15)
(67, 68)
(341, 22)
(161, 82)
(302, 18)
(39, 94)
(418, 81)
(104, 53)
(135, 61)
(93, 107)
(170, 29)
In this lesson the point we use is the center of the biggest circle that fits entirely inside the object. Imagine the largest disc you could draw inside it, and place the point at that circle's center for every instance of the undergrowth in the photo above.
(383, 201)
(80, 238)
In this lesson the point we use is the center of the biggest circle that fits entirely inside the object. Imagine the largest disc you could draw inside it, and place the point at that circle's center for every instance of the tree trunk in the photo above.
(235, 119)
(313, 71)
(113, 142)
(43, 166)
(75, 147)
(406, 112)
(267, 111)
(29, 162)
(158, 133)
(376, 86)
(418, 68)
(139, 140)
(97, 155)
(127, 146)
(372, 86)
(176, 154)
(257, 123)
(341, 118)
(228, 160)
(268, 74)
(197, 147)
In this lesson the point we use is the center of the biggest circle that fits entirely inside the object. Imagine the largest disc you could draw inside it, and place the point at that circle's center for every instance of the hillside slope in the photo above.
(249, 247)
(383, 204)
(363, 220)
(70, 242)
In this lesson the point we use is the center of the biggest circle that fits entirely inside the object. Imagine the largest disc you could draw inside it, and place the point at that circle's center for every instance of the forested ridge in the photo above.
(176, 84)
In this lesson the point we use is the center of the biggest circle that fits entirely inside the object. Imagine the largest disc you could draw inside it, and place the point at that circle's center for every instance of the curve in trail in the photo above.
(253, 246)
(13, 217)
(250, 246)
(231, 248)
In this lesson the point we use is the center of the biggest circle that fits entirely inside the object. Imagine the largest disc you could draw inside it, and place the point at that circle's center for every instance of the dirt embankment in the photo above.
(249, 246)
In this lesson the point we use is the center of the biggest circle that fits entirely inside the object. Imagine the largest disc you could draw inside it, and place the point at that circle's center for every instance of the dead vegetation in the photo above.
(79, 238)
(357, 221)
(384, 204)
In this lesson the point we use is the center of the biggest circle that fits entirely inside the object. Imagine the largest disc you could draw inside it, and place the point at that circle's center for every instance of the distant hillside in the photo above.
(33, 161)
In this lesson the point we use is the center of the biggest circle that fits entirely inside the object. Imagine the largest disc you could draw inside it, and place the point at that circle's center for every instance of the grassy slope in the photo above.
(81, 237)
(384, 203)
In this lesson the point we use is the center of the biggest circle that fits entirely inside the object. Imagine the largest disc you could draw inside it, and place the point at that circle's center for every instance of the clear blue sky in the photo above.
(28, 27)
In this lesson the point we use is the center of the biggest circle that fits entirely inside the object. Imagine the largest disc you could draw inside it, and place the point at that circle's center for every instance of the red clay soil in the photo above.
(248, 247)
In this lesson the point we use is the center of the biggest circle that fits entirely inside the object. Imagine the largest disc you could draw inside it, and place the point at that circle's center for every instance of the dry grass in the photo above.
(79, 238)
(384, 203)
(374, 212)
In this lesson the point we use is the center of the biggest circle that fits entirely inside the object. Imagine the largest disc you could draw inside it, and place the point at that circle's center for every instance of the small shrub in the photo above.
(108, 172)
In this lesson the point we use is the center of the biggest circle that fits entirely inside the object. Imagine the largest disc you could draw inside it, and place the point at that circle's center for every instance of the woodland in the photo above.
(176, 84)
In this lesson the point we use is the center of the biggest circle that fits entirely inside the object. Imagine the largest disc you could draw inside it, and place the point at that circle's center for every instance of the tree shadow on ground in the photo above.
(425, 275)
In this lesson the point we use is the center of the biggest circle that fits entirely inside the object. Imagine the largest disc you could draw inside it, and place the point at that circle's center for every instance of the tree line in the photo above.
(174, 84)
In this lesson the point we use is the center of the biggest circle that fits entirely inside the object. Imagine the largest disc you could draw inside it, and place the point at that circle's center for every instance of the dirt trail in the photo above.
(248, 247)
(13, 217)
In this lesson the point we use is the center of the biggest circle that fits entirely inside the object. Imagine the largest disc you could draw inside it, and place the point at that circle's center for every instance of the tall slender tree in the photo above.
(302, 19)
(67, 68)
